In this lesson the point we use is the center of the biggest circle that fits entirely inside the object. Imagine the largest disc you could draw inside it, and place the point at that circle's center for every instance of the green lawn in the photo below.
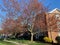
(29, 42)
(23, 42)
(6, 43)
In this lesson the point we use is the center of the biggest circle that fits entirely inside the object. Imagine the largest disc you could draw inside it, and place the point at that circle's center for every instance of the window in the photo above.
(58, 24)
(58, 16)
(59, 33)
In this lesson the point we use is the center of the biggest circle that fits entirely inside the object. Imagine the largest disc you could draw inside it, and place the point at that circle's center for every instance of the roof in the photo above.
(54, 10)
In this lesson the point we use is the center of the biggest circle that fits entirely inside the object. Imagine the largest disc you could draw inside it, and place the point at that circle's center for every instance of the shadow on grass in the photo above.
(48, 43)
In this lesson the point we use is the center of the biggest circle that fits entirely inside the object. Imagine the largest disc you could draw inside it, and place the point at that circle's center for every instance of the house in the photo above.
(53, 24)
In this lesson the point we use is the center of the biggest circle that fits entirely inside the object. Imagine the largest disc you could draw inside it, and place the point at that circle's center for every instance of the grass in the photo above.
(6, 43)
(23, 42)
(29, 42)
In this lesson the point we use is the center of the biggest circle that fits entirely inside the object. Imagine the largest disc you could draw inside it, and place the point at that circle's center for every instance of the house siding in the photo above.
(52, 26)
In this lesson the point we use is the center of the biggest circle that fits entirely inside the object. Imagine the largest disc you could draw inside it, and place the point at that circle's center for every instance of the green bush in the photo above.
(58, 39)
(11, 37)
(47, 39)
(1, 38)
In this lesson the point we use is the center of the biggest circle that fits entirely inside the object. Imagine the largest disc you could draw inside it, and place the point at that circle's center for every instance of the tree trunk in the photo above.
(31, 37)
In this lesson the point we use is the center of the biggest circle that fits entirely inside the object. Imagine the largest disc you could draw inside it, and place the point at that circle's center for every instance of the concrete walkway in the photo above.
(15, 42)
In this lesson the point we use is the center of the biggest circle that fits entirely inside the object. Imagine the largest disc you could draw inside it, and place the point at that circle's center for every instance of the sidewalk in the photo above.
(15, 42)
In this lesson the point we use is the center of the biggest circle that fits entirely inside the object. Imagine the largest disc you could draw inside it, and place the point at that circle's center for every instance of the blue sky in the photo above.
(52, 4)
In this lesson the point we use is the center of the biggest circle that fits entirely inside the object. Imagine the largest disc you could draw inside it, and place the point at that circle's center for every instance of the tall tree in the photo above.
(51, 24)
(34, 16)
(31, 17)
(12, 19)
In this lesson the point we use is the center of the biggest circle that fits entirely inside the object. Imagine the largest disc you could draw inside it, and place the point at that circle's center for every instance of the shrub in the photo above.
(47, 39)
(41, 38)
(58, 39)
(10, 37)
(1, 38)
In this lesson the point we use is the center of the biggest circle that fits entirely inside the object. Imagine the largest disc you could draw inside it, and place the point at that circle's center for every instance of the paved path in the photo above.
(15, 42)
